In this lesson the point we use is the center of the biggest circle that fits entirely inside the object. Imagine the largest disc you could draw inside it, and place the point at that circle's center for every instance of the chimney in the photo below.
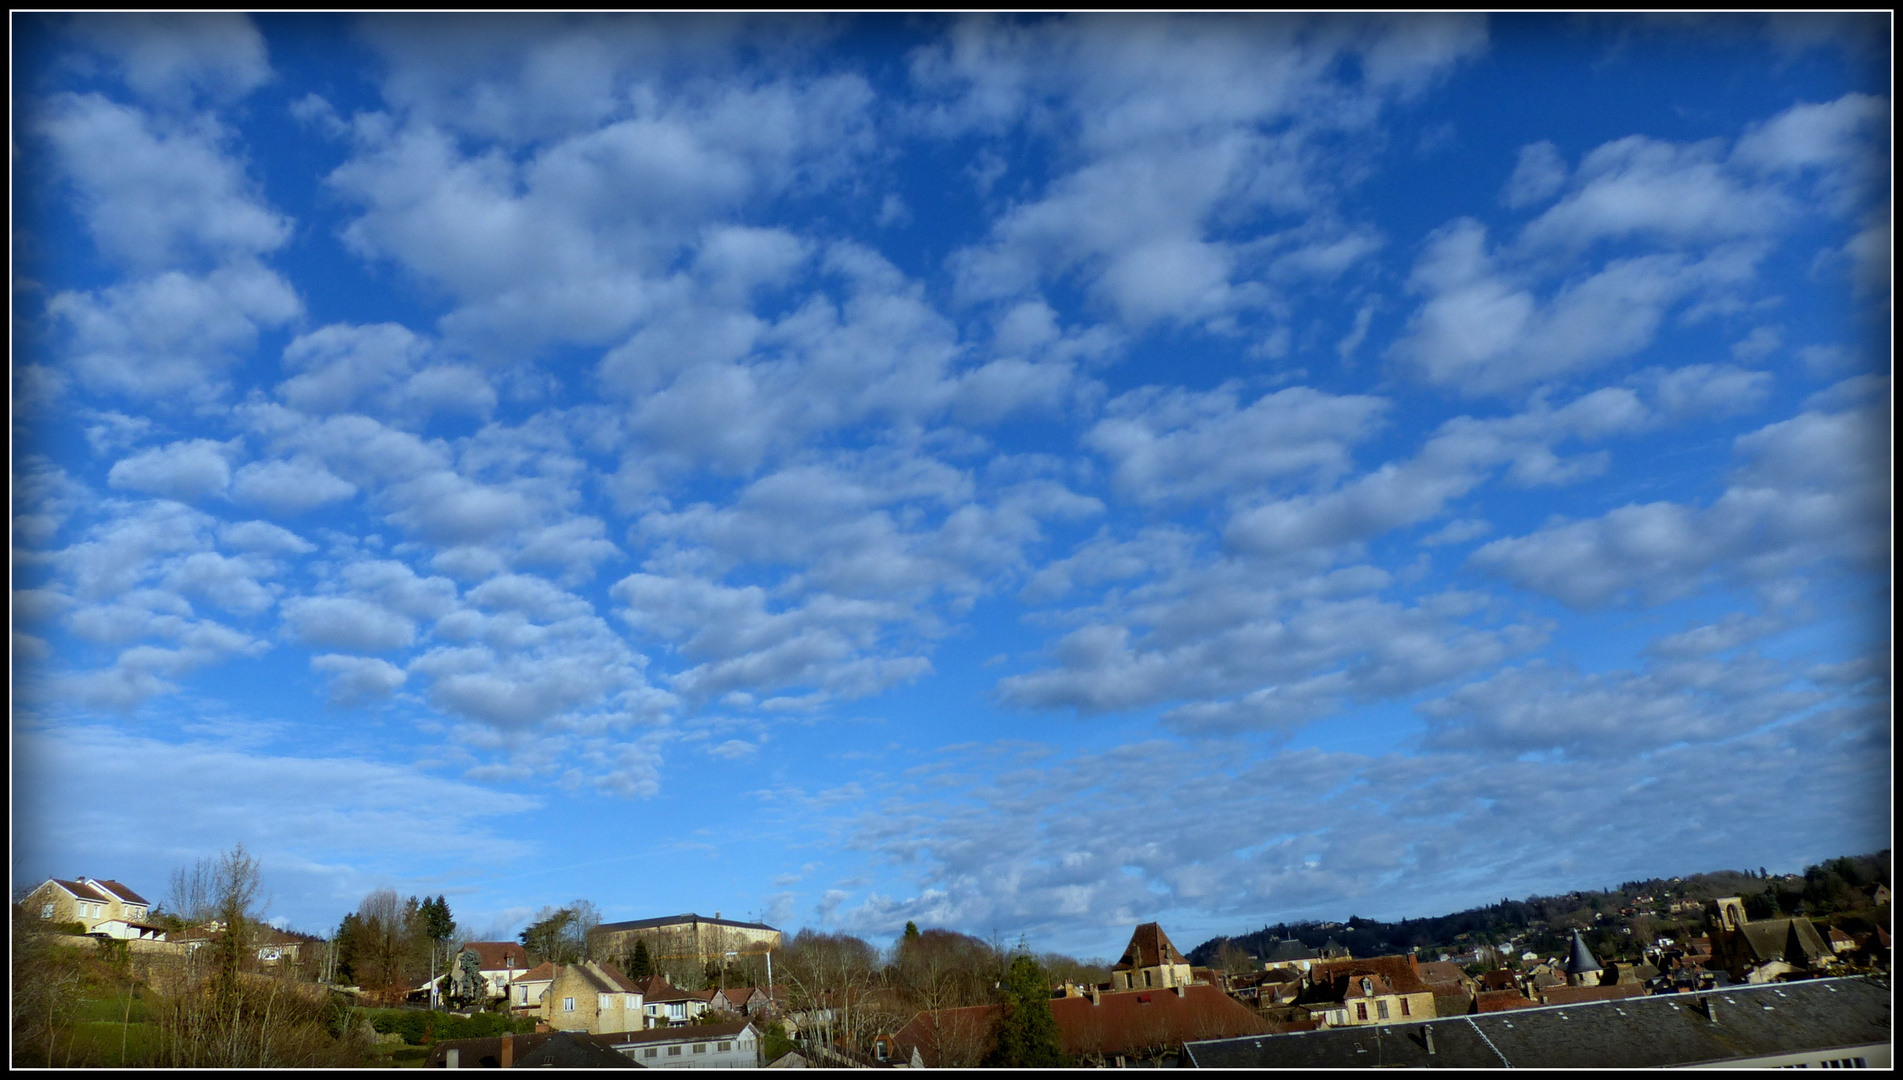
(1414, 961)
(716, 913)
(505, 1055)
(452, 1058)
(1427, 1036)
(1092, 994)
(1179, 989)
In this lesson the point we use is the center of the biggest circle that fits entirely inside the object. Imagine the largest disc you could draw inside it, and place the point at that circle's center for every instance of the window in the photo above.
(1146, 978)
(724, 1047)
(46, 911)
(700, 1048)
(673, 1051)
(1361, 1010)
(1405, 1011)
(568, 1004)
(607, 1002)
(1382, 1008)
(651, 1052)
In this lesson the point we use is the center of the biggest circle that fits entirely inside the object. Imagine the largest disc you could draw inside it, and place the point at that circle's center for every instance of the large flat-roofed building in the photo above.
(691, 937)
(1817, 1023)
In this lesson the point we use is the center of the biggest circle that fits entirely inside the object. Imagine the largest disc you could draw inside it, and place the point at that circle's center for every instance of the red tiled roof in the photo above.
(1130, 1022)
(1398, 972)
(1149, 947)
(1488, 1001)
(541, 972)
(1579, 995)
(1442, 971)
(492, 955)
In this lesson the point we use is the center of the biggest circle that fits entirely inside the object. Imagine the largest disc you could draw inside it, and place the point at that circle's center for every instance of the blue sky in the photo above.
(1031, 475)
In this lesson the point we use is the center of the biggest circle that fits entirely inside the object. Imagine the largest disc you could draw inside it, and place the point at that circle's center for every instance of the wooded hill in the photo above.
(1835, 891)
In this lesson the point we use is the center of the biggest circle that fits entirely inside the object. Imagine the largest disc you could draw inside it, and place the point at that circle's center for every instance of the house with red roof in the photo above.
(1098, 1028)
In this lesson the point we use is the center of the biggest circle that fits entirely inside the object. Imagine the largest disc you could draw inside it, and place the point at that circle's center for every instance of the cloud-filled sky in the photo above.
(1033, 475)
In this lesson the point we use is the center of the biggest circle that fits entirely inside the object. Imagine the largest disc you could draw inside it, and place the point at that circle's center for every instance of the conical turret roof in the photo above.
(1581, 960)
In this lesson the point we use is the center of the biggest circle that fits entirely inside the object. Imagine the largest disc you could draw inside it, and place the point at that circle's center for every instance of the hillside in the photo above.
(1834, 891)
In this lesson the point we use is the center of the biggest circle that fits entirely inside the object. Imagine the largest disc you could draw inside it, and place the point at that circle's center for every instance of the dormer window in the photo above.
(1367, 986)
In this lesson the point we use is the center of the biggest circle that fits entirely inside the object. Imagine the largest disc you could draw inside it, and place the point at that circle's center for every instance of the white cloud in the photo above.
(289, 487)
(157, 195)
(358, 679)
(1643, 187)
(1168, 123)
(168, 58)
(1537, 176)
(172, 333)
(187, 470)
(1170, 444)
(343, 622)
(377, 821)
(1812, 489)
(1480, 330)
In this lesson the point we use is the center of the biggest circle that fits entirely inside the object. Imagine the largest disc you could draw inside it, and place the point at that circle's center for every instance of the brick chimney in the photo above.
(1414, 961)
(506, 1054)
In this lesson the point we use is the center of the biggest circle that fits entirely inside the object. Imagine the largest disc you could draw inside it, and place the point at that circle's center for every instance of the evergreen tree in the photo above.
(911, 931)
(1027, 1034)
(640, 962)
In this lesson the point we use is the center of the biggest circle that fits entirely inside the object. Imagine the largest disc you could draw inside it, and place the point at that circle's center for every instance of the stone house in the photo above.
(1762, 950)
(1375, 990)
(1150, 962)
(591, 997)
(101, 906)
(667, 1005)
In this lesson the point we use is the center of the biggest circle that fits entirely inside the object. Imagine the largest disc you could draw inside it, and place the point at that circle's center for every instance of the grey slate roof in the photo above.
(1582, 959)
(1288, 951)
(1636, 1033)
(681, 920)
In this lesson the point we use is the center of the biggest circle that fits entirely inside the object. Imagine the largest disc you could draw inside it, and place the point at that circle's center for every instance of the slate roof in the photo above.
(124, 893)
(681, 920)
(1149, 947)
(559, 1049)
(690, 1033)
(83, 891)
(575, 1050)
(1791, 940)
(1644, 1032)
(1581, 959)
(1289, 951)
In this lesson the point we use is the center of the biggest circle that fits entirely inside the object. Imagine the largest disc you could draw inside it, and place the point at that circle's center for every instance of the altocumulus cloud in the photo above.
(977, 470)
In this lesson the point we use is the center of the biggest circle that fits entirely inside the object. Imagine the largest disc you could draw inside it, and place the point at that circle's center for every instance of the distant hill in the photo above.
(1831, 888)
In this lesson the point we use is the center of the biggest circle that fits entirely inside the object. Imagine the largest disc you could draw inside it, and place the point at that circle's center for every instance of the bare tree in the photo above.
(193, 896)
